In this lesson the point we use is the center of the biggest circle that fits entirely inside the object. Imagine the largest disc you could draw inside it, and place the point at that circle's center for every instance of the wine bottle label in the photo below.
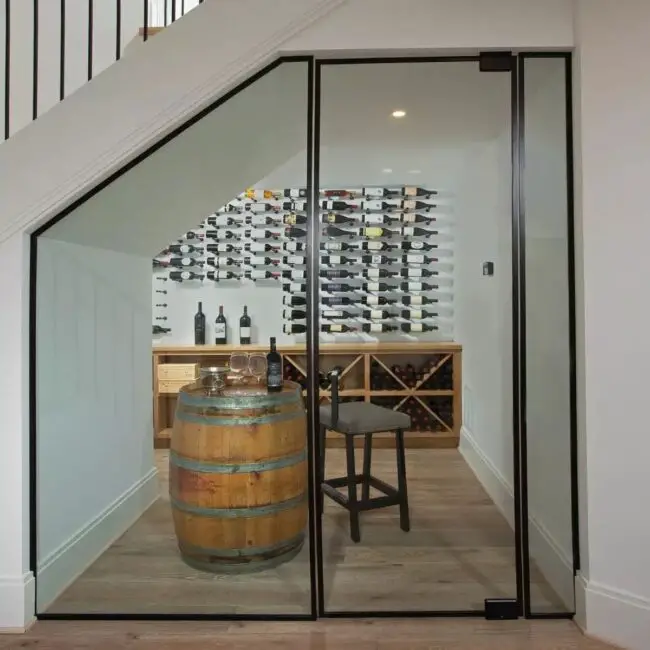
(298, 274)
(297, 194)
(256, 260)
(376, 327)
(291, 246)
(415, 259)
(376, 259)
(417, 314)
(300, 206)
(374, 245)
(335, 259)
(372, 205)
(274, 374)
(417, 245)
(372, 273)
(186, 261)
(291, 219)
(220, 330)
(372, 300)
(408, 232)
(258, 219)
(336, 327)
(410, 191)
(294, 287)
(416, 300)
(223, 248)
(373, 232)
(244, 332)
(184, 248)
(374, 218)
(258, 233)
(408, 205)
(376, 314)
(415, 286)
(333, 246)
(186, 275)
(416, 327)
(255, 247)
(295, 259)
(257, 207)
(331, 218)
(332, 313)
(373, 191)
(222, 220)
(415, 273)
(373, 286)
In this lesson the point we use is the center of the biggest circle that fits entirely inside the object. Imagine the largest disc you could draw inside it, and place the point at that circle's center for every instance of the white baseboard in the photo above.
(613, 615)
(554, 564)
(64, 565)
(16, 603)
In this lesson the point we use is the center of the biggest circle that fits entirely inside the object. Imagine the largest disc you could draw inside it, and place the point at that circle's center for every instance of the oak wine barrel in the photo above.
(238, 477)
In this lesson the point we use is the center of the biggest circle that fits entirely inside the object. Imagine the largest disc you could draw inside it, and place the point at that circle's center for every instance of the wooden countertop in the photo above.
(329, 348)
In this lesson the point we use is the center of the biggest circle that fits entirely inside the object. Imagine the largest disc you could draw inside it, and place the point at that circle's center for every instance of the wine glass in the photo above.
(239, 364)
(257, 366)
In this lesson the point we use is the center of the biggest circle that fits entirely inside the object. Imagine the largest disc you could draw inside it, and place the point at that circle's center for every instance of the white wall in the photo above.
(613, 103)
(157, 94)
(49, 47)
(96, 471)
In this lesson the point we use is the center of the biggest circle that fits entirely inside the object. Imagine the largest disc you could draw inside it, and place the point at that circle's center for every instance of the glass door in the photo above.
(416, 304)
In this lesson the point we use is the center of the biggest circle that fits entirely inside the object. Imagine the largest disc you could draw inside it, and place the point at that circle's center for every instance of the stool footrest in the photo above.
(391, 495)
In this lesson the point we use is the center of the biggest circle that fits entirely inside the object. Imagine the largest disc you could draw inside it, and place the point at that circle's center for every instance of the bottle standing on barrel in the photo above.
(245, 328)
(220, 328)
(273, 369)
(199, 326)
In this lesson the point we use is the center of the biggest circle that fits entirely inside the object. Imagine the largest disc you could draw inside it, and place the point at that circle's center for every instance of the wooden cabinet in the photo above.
(422, 379)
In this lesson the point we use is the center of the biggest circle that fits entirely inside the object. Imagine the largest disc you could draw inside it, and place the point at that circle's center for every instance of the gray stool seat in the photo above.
(356, 418)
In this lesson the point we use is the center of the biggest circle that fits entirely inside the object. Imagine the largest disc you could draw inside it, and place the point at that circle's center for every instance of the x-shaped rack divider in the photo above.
(303, 372)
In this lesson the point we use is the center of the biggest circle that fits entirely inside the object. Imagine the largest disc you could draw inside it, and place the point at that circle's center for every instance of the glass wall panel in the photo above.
(182, 490)
(548, 350)
(416, 313)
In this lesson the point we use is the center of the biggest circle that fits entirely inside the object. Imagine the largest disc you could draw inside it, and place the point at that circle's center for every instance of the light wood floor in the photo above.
(442, 634)
(460, 550)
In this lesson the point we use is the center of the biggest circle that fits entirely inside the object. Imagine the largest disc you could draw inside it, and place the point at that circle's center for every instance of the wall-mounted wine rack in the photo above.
(386, 258)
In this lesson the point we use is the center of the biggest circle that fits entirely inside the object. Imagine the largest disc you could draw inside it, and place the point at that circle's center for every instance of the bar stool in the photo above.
(363, 418)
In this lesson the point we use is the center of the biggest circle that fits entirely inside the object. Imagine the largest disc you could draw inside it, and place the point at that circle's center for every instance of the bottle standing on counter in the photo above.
(199, 326)
(220, 328)
(273, 369)
(245, 328)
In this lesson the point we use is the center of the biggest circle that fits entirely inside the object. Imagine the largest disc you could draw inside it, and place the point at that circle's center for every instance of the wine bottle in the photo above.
(376, 300)
(295, 274)
(374, 274)
(335, 246)
(374, 246)
(335, 328)
(199, 326)
(375, 314)
(220, 248)
(378, 206)
(293, 219)
(417, 205)
(258, 207)
(335, 313)
(161, 304)
(190, 234)
(222, 275)
(183, 262)
(258, 195)
(376, 286)
(417, 273)
(221, 220)
(378, 327)
(340, 194)
(336, 206)
(157, 329)
(183, 248)
(220, 234)
(222, 261)
(298, 193)
(379, 192)
(220, 328)
(418, 286)
(260, 247)
(179, 276)
(332, 274)
(336, 259)
(334, 301)
(259, 220)
(294, 301)
(418, 327)
(376, 232)
(274, 375)
(333, 231)
(294, 328)
(298, 260)
(295, 233)
(376, 218)
(257, 260)
(161, 317)
(294, 314)
(161, 291)
(245, 328)
(337, 288)
(333, 217)
(410, 217)
(261, 233)
(294, 287)
(418, 191)
(294, 206)
(417, 232)
(293, 246)
(418, 259)
(417, 314)
(376, 259)
(159, 264)
(418, 300)
(260, 274)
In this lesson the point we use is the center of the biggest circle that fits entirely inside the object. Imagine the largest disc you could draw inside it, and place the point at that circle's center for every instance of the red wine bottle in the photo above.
(220, 328)
(294, 287)
(335, 313)
(417, 273)
(417, 232)
(336, 259)
(376, 218)
(184, 249)
(376, 300)
(220, 248)
(376, 286)
(375, 314)
(337, 206)
(335, 246)
(417, 314)
(297, 260)
(294, 246)
(379, 192)
(333, 231)
(418, 259)
(418, 327)
(295, 233)
(180, 276)
(418, 286)
(294, 301)
(199, 326)
(376, 259)
(261, 233)
(294, 314)
(336, 328)
(183, 262)
(220, 234)
(260, 247)
(256, 260)
(378, 327)
(337, 288)
(417, 205)
(418, 300)
(221, 220)
(335, 301)
(418, 191)
(332, 274)
(222, 275)
(294, 328)
(245, 328)
(274, 374)
(410, 217)
(222, 261)
(261, 274)
(416, 245)
(374, 274)
(259, 220)
(295, 274)
(378, 206)
(333, 217)
(374, 246)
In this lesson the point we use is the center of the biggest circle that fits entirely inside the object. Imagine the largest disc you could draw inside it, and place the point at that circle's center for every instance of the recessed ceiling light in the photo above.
(399, 113)
(388, 170)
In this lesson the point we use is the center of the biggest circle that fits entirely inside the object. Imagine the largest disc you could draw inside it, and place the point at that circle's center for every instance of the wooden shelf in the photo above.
(439, 407)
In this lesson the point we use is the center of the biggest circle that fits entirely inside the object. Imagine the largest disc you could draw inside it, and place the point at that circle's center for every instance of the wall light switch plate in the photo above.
(488, 268)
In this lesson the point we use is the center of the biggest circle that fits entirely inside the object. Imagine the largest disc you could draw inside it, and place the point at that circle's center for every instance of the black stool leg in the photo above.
(367, 460)
(404, 521)
(321, 468)
(352, 490)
